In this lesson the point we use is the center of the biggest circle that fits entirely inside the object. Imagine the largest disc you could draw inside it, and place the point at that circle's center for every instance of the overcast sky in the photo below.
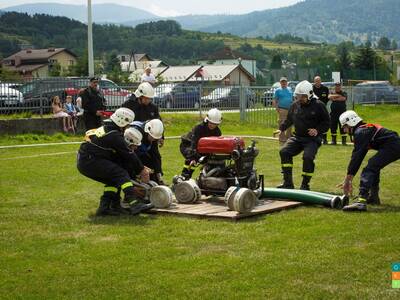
(178, 7)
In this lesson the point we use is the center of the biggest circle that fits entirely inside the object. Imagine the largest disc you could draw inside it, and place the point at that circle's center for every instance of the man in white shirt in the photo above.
(148, 76)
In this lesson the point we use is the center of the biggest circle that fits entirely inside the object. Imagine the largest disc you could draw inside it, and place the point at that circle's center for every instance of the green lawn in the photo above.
(52, 247)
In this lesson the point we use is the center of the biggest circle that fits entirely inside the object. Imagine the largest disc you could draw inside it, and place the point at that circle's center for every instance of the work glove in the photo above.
(145, 175)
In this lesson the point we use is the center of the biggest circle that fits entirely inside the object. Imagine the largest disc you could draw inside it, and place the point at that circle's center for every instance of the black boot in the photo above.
(116, 205)
(187, 173)
(136, 206)
(374, 196)
(287, 179)
(305, 184)
(344, 138)
(324, 140)
(333, 140)
(104, 207)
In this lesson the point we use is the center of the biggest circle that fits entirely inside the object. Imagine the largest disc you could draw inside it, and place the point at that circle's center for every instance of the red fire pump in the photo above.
(227, 170)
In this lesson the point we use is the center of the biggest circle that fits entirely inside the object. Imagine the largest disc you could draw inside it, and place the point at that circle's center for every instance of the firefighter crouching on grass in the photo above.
(188, 146)
(310, 119)
(140, 102)
(151, 131)
(365, 137)
(100, 157)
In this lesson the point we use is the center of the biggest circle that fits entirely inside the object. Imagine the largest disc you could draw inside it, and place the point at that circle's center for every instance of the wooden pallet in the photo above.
(216, 208)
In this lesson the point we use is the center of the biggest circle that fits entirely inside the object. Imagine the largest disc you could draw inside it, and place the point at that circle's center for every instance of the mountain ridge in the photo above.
(314, 20)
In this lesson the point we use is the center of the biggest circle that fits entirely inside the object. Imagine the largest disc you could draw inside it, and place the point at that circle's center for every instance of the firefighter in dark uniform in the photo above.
(338, 106)
(322, 92)
(188, 146)
(310, 119)
(100, 158)
(365, 137)
(151, 131)
(140, 103)
(93, 102)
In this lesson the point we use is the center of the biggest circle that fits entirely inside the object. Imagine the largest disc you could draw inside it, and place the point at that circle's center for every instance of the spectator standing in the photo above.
(93, 102)
(322, 92)
(283, 98)
(71, 110)
(149, 77)
(338, 106)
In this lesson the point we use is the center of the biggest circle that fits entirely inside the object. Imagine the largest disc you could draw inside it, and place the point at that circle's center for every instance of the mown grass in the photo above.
(236, 42)
(52, 247)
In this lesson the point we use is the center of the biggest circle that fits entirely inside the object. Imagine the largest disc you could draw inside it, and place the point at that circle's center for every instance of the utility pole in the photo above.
(90, 40)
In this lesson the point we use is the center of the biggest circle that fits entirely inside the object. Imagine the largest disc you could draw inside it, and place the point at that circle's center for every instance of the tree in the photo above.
(112, 63)
(55, 70)
(276, 62)
(384, 43)
(82, 66)
(343, 59)
(7, 75)
(394, 45)
(365, 57)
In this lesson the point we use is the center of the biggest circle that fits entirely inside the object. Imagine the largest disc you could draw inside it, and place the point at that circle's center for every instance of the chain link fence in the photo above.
(254, 103)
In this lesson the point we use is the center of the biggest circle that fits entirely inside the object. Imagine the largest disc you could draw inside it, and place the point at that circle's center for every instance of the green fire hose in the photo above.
(308, 197)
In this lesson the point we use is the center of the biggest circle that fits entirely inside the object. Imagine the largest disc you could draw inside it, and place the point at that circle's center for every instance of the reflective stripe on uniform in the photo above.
(307, 174)
(110, 189)
(126, 184)
(287, 165)
(361, 200)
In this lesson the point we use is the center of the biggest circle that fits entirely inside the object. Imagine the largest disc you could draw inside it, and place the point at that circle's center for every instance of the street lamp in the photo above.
(90, 40)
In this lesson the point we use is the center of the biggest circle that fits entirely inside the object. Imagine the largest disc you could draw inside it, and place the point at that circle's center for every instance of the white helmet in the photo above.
(214, 116)
(349, 118)
(123, 116)
(145, 89)
(304, 88)
(133, 136)
(154, 128)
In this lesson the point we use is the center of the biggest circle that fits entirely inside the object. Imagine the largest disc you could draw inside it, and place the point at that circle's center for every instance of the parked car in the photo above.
(228, 97)
(268, 95)
(375, 92)
(9, 96)
(177, 95)
(39, 92)
(114, 94)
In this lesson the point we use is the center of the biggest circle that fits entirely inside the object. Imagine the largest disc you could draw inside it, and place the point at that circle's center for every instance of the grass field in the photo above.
(236, 42)
(52, 247)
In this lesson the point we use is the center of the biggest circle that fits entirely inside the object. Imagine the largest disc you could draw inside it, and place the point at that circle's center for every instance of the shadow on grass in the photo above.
(384, 208)
(140, 220)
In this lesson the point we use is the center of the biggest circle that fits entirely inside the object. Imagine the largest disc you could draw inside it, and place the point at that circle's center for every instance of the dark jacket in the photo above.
(312, 115)
(339, 106)
(190, 140)
(322, 93)
(148, 151)
(92, 101)
(107, 142)
(369, 136)
(142, 112)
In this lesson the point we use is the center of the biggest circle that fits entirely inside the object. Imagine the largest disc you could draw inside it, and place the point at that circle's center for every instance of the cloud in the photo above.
(162, 12)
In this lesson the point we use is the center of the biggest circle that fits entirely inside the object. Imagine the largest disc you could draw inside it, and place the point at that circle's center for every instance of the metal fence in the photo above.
(254, 103)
